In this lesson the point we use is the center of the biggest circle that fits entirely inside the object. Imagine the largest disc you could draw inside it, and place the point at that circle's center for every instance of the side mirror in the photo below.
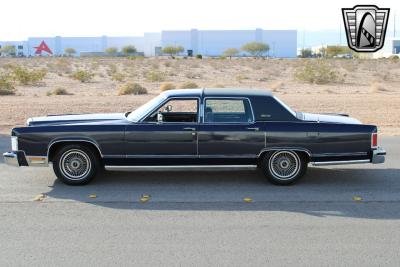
(159, 117)
(168, 108)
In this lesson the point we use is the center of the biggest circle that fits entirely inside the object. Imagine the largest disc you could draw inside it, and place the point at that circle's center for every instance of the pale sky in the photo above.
(27, 18)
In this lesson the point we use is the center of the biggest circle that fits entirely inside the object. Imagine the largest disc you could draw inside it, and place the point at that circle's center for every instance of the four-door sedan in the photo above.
(192, 128)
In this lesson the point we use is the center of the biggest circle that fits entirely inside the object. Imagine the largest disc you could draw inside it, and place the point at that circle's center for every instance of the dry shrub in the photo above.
(155, 76)
(82, 76)
(167, 86)
(119, 77)
(318, 72)
(6, 85)
(58, 91)
(132, 89)
(27, 77)
(219, 85)
(188, 85)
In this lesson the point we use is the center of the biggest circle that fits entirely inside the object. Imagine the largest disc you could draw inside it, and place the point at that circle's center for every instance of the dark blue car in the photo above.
(195, 128)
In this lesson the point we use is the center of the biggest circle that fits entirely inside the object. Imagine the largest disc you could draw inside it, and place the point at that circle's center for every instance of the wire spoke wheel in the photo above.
(75, 164)
(284, 165)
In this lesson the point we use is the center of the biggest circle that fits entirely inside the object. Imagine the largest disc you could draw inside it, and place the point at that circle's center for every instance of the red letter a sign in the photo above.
(42, 47)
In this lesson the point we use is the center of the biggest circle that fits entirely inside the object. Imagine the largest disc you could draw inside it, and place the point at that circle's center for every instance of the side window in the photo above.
(176, 110)
(227, 111)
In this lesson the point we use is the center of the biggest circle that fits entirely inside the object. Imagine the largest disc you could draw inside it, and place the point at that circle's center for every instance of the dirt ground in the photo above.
(368, 90)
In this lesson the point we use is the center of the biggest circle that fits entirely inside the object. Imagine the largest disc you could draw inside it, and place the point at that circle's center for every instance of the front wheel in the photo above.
(75, 164)
(284, 167)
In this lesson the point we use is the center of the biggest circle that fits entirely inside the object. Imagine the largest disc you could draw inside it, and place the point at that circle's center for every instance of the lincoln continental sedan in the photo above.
(195, 128)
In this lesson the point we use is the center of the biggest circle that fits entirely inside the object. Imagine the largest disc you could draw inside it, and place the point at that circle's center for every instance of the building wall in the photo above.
(209, 43)
(283, 43)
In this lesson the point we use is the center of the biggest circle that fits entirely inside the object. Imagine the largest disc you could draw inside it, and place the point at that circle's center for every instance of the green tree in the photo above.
(129, 49)
(172, 50)
(69, 51)
(8, 50)
(306, 52)
(111, 50)
(256, 49)
(231, 52)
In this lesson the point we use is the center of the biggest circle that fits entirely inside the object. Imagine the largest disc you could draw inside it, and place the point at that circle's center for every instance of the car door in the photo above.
(168, 140)
(229, 131)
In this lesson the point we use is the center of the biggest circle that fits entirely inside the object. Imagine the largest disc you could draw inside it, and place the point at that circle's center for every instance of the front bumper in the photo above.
(378, 155)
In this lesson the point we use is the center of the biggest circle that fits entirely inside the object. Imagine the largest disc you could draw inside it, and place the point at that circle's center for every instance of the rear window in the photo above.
(227, 111)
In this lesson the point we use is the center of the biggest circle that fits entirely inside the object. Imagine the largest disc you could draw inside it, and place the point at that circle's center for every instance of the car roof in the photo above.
(220, 92)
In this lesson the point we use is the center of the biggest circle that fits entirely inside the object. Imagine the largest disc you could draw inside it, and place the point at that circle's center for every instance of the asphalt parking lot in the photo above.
(347, 215)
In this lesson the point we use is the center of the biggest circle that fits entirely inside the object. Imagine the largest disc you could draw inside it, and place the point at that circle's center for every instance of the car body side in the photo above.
(121, 142)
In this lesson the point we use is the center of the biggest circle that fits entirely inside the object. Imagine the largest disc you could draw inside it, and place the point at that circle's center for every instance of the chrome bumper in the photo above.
(18, 159)
(378, 155)
(15, 158)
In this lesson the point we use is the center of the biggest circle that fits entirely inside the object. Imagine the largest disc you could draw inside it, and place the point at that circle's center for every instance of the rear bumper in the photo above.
(378, 155)
(15, 158)
(18, 159)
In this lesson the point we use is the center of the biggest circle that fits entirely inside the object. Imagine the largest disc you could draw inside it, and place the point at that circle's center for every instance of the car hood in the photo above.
(75, 119)
(333, 118)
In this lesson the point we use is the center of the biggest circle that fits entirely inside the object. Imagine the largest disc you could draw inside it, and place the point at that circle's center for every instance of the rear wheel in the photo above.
(75, 164)
(284, 167)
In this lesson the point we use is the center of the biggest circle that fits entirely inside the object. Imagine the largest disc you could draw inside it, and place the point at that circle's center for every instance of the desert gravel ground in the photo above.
(367, 89)
(336, 216)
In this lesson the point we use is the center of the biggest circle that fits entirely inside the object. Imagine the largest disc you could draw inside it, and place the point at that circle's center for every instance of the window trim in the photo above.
(142, 120)
(227, 98)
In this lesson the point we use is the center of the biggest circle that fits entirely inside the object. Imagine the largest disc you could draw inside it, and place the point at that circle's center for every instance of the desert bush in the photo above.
(318, 72)
(188, 85)
(111, 50)
(155, 76)
(27, 77)
(119, 77)
(199, 56)
(231, 52)
(6, 85)
(132, 89)
(167, 86)
(82, 76)
(240, 78)
(219, 85)
(58, 91)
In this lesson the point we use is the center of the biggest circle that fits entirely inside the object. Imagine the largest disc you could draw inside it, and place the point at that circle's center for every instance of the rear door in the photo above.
(229, 131)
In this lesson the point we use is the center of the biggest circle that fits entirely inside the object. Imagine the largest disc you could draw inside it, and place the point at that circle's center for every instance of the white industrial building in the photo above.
(283, 43)
(390, 48)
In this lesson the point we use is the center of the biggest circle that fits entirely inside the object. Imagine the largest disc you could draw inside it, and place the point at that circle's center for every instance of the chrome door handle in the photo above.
(253, 128)
(189, 129)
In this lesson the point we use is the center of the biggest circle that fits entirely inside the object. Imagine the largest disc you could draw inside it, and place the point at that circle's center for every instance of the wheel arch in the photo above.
(303, 151)
(57, 144)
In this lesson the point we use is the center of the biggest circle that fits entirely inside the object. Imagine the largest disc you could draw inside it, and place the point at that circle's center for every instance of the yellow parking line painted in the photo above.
(39, 197)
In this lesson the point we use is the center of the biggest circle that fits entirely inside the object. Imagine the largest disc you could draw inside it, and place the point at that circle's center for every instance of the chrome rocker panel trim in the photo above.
(177, 167)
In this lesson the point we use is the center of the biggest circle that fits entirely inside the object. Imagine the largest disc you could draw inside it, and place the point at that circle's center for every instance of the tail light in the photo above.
(374, 140)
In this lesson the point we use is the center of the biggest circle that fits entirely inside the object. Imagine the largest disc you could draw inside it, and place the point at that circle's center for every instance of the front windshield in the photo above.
(139, 113)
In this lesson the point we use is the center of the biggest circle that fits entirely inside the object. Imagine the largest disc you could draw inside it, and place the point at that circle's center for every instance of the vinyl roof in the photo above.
(218, 92)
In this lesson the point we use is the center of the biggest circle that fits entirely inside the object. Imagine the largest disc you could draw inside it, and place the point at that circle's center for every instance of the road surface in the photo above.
(347, 215)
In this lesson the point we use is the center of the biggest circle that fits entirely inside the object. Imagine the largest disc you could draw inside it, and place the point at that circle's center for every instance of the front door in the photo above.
(167, 136)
